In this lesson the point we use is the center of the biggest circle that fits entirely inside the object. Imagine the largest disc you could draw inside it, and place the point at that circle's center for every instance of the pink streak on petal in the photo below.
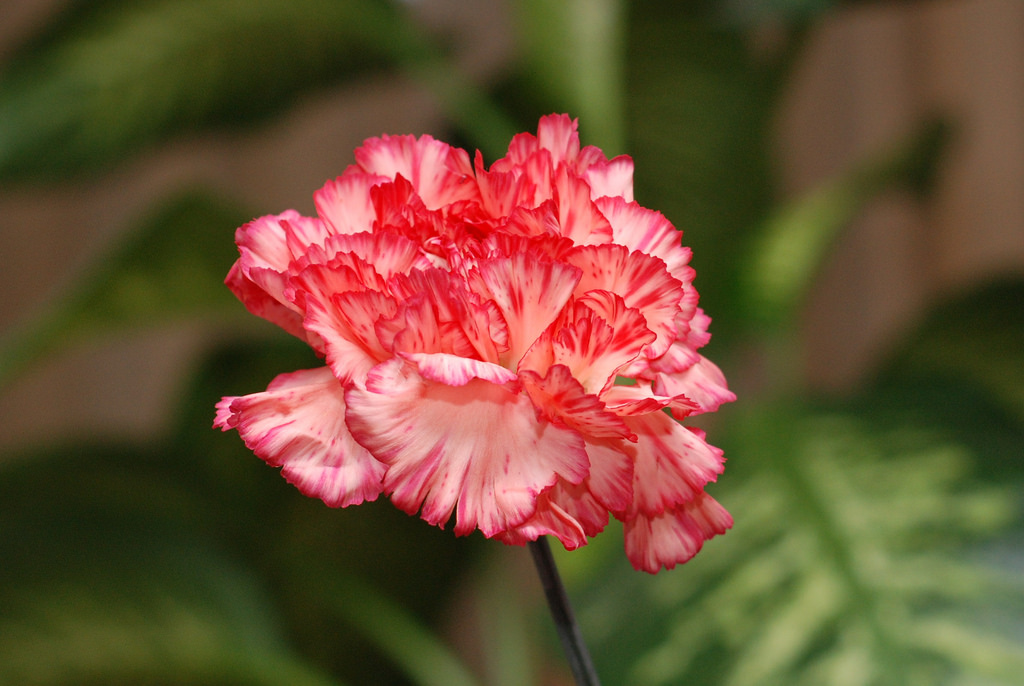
(439, 314)
(275, 240)
(478, 449)
(501, 191)
(673, 464)
(551, 519)
(440, 173)
(345, 202)
(268, 246)
(253, 290)
(601, 336)
(530, 293)
(298, 424)
(453, 370)
(611, 179)
(610, 481)
(386, 253)
(703, 382)
(649, 232)
(558, 134)
(674, 536)
(641, 280)
(640, 399)
(578, 217)
(347, 325)
(561, 398)
(572, 512)
(624, 402)
(321, 281)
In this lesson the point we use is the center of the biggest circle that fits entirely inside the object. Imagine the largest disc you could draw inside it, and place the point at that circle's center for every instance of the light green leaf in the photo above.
(574, 53)
(849, 564)
(978, 337)
(793, 243)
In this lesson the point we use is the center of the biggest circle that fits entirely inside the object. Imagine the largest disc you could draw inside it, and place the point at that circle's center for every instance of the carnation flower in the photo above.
(514, 347)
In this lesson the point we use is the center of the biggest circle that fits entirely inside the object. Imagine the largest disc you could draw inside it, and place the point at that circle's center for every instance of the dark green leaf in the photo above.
(131, 75)
(109, 578)
(700, 103)
(975, 337)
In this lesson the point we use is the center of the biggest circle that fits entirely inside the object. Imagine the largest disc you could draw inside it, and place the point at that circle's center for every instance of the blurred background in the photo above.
(850, 176)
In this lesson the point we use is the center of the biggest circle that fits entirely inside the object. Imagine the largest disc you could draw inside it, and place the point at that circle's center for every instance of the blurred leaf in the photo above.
(700, 102)
(795, 240)
(508, 637)
(171, 267)
(977, 337)
(132, 74)
(574, 51)
(105, 581)
(756, 13)
(849, 564)
(393, 631)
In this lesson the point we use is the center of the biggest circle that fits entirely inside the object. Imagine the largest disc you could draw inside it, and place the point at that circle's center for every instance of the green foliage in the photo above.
(870, 545)
(784, 259)
(575, 49)
(126, 77)
(699, 107)
(850, 563)
(194, 563)
(978, 337)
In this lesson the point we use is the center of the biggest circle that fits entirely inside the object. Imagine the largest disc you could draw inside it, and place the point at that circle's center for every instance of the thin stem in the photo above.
(568, 630)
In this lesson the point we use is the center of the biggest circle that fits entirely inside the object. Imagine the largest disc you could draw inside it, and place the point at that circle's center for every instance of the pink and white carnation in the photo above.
(515, 346)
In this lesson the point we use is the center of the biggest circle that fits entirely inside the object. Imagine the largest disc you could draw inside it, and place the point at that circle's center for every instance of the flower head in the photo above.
(512, 347)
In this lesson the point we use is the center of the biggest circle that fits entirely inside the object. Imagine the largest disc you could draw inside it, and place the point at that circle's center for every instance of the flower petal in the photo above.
(530, 293)
(298, 424)
(439, 314)
(267, 247)
(602, 335)
(578, 216)
(274, 241)
(674, 536)
(556, 134)
(703, 383)
(572, 512)
(673, 464)
(649, 232)
(478, 449)
(560, 397)
(640, 398)
(613, 178)
(254, 287)
(440, 173)
(387, 253)
(550, 520)
(345, 202)
(347, 325)
(453, 370)
(641, 280)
